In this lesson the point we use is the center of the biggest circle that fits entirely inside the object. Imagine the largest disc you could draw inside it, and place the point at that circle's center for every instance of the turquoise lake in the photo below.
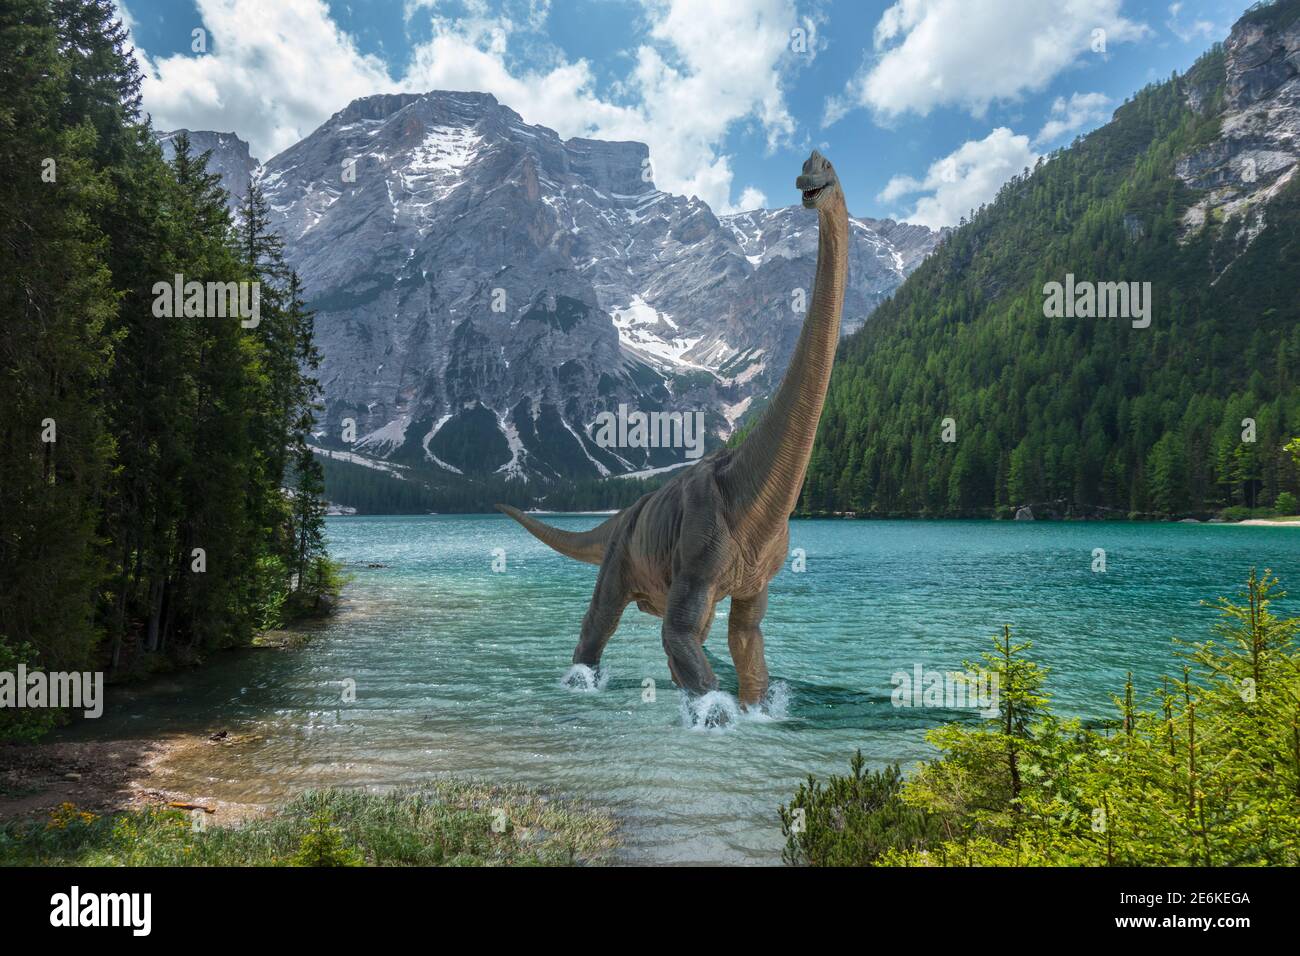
(459, 669)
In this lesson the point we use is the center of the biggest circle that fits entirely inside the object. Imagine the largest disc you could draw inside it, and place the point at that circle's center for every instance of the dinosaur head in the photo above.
(818, 183)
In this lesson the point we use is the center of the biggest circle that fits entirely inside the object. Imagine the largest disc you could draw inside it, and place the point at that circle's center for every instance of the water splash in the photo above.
(775, 706)
(717, 710)
(582, 679)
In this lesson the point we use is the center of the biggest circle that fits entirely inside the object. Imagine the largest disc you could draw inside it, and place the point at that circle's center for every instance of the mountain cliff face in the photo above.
(1254, 157)
(229, 158)
(1189, 193)
(484, 289)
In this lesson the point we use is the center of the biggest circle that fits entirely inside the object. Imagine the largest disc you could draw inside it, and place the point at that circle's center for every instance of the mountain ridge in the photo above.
(1190, 187)
(610, 291)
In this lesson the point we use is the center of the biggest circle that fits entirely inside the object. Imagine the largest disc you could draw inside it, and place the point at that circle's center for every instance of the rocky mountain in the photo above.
(484, 289)
(1254, 157)
(229, 157)
(966, 394)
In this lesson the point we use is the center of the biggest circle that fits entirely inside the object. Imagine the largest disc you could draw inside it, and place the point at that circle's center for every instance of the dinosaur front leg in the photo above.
(686, 624)
(745, 639)
(603, 614)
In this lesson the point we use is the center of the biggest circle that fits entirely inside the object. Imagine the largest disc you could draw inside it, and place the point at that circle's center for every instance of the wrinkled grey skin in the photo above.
(720, 528)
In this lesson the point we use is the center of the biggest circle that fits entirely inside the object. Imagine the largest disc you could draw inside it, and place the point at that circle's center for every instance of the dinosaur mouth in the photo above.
(810, 195)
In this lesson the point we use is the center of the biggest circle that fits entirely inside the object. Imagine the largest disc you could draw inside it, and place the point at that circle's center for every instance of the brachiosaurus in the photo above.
(720, 528)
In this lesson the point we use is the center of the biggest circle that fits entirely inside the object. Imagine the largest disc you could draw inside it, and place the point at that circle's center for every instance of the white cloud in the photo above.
(275, 71)
(1187, 32)
(703, 68)
(963, 180)
(971, 53)
(124, 15)
(752, 198)
(272, 73)
(1072, 115)
(836, 108)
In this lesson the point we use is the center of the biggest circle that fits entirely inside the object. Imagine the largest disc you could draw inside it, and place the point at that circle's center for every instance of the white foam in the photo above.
(582, 679)
(775, 705)
(719, 711)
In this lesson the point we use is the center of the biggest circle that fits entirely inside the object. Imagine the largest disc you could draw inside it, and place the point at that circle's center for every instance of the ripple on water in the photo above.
(458, 669)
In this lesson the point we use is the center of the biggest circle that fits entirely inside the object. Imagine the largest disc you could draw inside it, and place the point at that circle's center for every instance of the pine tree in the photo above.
(146, 448)
(57, 300)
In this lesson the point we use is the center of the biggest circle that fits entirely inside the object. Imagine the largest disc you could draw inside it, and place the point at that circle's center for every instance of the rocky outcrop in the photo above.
(1255, 155)
(1261, 58)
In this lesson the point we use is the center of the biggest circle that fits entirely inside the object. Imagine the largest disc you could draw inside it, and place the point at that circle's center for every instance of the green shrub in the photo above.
(322, 845)
(23, 724)
(1203, 771)
(854, 819)
(318, 592)
(1286, 504)
(1241, 513)
(271, 592)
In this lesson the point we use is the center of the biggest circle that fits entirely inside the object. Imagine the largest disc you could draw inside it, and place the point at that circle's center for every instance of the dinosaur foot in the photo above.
(583, 679)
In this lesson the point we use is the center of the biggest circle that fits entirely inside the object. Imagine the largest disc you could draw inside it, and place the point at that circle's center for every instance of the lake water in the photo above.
(458, 669)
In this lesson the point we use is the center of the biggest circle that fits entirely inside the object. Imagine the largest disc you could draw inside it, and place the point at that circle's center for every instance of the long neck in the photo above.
(767, 471)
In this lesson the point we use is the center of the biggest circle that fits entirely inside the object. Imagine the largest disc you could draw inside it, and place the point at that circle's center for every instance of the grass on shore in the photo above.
(444, 824)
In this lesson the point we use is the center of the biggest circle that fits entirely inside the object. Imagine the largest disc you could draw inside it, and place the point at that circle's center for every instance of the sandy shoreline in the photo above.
(1269, 522)
(109, 776)
(102, 776)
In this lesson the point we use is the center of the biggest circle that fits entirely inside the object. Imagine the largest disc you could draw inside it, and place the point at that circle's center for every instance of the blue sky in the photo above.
(924, 106)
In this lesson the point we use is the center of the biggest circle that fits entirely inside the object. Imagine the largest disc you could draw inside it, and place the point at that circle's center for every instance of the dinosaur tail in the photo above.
(588, 546)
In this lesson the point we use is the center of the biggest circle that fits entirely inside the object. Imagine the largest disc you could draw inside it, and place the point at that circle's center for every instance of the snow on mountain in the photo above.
(484, 288)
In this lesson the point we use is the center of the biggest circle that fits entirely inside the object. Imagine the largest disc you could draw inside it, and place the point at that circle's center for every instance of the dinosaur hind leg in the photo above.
(745, 640)
(603, 614)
